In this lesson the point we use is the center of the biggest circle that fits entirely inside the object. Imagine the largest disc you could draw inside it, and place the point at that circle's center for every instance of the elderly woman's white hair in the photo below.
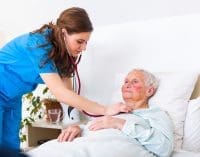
(150, 79)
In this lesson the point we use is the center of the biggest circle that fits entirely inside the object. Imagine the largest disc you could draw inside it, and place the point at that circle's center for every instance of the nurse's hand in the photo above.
(69, 134)
(117, 108)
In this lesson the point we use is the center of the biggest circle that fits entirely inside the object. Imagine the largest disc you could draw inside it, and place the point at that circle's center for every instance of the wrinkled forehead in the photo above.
(135, 74)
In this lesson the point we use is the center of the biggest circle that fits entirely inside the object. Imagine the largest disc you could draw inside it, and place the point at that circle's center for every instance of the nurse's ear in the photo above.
(64, 31)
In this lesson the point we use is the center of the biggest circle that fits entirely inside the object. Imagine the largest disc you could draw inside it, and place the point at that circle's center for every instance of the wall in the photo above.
(20, 16)
(158, 45)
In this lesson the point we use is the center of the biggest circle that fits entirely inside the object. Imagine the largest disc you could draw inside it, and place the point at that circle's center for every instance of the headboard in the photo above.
(196, 92)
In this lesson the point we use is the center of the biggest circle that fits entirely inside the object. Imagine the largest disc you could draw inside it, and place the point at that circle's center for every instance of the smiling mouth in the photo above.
(77, 52)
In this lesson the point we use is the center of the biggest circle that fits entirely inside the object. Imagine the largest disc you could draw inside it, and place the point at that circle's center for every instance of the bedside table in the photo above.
(42, 131)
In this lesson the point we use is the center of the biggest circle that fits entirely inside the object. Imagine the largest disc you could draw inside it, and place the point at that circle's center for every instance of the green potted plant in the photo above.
(37, 107)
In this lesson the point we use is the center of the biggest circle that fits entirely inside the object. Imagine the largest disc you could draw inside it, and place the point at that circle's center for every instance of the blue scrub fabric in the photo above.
(10, 118)
(22, 60)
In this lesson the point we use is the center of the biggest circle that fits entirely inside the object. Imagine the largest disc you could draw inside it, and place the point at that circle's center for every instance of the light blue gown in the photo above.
(22, 60)
(153, 129)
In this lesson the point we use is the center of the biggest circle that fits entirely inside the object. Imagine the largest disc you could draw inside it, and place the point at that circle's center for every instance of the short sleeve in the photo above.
(43, 65)
(38, 49)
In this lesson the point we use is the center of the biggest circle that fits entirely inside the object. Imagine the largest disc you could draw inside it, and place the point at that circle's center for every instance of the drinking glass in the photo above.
(54, 115)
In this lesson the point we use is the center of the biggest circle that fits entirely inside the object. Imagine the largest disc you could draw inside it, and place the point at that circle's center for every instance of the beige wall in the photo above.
(2, 38)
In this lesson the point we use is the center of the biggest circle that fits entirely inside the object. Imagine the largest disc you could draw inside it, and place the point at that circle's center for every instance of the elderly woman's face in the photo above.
(134, 88)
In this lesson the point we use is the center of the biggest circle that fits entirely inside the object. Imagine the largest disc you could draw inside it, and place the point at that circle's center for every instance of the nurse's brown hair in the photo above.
(74, 20)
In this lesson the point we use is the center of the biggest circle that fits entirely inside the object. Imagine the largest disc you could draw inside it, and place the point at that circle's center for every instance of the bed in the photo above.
(112, 143)
(168, 47)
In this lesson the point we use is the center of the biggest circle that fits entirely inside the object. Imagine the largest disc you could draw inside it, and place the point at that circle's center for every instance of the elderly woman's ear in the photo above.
(150, 91)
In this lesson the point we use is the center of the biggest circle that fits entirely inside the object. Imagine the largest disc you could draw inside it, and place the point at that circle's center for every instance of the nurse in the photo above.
(45, 56)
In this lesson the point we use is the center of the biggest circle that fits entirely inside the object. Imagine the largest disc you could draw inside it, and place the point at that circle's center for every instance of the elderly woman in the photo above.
(148, 128)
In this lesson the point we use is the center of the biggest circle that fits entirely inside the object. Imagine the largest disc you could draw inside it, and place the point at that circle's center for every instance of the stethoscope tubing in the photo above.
(79, 83)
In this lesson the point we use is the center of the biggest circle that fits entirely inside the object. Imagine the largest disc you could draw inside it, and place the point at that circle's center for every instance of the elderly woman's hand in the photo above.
(117, 108)
(107, 122)
(69, 133)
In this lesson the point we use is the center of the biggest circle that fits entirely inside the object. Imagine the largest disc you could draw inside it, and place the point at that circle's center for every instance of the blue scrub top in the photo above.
(21, 62)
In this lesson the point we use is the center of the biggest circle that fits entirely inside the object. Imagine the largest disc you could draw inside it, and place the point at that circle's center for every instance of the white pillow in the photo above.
(172, 96)
(191, 140)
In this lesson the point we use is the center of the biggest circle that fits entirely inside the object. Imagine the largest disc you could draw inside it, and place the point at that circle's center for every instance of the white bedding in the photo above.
(96, 146)
(183, 153)
(101, 143)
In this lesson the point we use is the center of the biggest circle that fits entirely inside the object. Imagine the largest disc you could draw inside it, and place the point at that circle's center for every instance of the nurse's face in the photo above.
(76, 42)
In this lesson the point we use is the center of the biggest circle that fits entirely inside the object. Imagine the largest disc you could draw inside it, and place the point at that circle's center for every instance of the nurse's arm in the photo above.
(68, 82)
(66, 96)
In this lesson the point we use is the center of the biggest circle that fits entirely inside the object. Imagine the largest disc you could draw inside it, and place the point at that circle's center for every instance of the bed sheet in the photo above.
(101, 143)
(91, 146)
(96, 146)
(183, 153)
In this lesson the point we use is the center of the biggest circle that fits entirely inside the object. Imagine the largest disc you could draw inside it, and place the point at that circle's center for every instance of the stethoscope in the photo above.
(77, 82)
